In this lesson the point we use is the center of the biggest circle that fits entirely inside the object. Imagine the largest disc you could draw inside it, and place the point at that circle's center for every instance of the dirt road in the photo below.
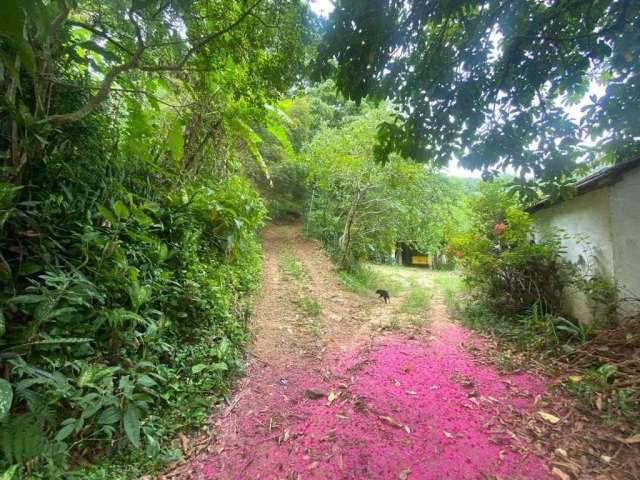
(339, 385)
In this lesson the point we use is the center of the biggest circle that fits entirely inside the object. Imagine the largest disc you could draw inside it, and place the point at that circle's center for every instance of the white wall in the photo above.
(588, 241)
(602, 228)
(625, 221)
(586, 220)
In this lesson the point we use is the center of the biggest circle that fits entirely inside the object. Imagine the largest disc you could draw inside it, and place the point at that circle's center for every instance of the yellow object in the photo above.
(419, 260)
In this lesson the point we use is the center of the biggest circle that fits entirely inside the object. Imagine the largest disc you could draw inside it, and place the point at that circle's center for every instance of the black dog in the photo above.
(383, 295)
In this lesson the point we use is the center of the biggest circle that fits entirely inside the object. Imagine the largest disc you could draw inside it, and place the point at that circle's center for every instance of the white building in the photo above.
(602, 223)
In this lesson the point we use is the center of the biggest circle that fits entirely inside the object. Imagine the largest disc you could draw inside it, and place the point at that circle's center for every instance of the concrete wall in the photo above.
(624, 200)
(588, 241)
(586, 221)
(602, 231)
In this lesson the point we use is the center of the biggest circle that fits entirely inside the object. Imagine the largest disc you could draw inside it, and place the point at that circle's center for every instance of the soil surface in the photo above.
(340, 385)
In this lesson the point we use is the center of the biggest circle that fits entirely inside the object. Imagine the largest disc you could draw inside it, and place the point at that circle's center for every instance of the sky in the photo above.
(321, 7)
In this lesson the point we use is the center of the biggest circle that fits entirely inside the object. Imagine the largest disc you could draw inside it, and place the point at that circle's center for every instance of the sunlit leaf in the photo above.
(6, 398)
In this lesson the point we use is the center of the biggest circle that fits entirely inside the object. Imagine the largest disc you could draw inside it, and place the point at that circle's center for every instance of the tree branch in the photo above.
(134, 63)
(105, 86)
(201, 43)
(100, 33)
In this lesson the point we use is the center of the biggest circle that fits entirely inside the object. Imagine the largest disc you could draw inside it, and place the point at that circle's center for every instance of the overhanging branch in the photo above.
(134, 64)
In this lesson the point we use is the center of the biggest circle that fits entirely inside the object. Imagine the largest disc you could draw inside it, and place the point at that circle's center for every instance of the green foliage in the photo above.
(595, 388)
(503, 261)
(361, 209)
(490, 81)
(291, 266)
(6, 398)
(452, 285)
(128, 241)
(365, 280)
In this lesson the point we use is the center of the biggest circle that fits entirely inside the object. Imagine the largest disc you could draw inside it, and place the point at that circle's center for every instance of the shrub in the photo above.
(119, 303)
(507, 264)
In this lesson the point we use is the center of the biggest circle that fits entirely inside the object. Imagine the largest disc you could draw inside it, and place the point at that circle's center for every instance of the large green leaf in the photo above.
(106, 213)
(65, 431)
(175, 141)
(121, 210)
(57, 341)
(6, 398)
(12, 22)
(109, 416)
(281, 135)
(251, 140)
(10, 473)
(131, 422)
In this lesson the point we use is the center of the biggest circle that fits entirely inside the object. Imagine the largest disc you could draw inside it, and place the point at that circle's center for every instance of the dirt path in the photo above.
(341, 386)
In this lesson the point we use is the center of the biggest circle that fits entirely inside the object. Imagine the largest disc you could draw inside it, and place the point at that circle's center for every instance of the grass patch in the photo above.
(394, 324)
(451, 284)
(417, 302)
(308, 306)
(290, 265)
(312, 327)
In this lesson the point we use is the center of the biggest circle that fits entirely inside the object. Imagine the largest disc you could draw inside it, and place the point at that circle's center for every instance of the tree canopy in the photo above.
(489, 81)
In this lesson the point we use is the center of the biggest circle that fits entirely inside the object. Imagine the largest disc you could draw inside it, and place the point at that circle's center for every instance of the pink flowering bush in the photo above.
(505, 263)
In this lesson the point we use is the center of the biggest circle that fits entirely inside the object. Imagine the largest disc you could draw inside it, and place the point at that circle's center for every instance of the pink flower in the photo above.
(499, 228)
(459, 254)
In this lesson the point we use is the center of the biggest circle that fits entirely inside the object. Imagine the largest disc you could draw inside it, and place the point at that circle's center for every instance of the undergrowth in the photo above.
(596, 362)
(308, 306)
(290, 265)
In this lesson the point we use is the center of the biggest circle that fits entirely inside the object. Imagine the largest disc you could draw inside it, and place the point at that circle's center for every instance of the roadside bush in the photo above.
(123, 296)
(506, 264)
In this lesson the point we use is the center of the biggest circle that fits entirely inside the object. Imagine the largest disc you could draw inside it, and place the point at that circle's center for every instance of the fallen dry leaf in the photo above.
(404, 474)
(560, 474)
(575, 378)
(599, 402)
(184, 443)
(630, 440)
(314, 394)
(548, 417)
(561, 452)
(447, 434)
(390, 421)
(331, 398)
(410, 392)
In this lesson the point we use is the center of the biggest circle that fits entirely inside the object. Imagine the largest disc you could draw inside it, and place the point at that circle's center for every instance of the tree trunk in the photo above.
(345, 239)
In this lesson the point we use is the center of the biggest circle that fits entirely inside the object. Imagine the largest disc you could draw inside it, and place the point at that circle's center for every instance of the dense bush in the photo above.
(121, 296)
(507, 263)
